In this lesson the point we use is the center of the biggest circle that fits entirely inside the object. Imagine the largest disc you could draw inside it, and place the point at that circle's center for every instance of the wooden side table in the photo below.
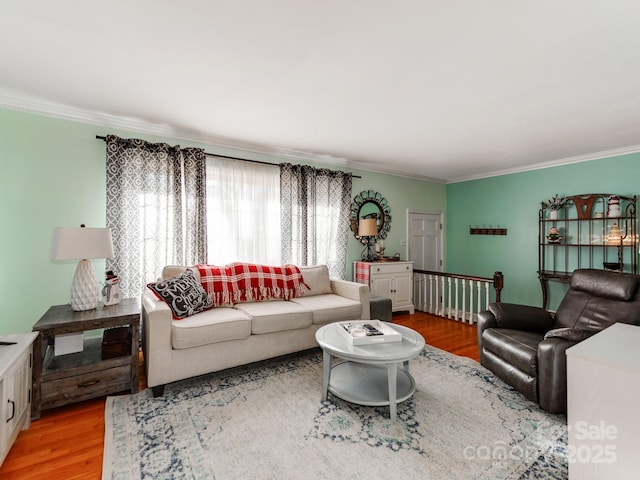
(60, 380)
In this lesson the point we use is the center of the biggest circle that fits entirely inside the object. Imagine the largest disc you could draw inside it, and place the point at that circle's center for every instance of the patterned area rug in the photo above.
(266, 421)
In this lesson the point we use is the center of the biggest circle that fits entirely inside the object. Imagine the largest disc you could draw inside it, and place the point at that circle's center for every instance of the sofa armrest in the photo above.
(521, 317)
(156, 332)
(355, 291)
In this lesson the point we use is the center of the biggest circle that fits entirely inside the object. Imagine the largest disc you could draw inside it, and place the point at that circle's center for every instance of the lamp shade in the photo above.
(81, 243)
(367, 227)
(77, 243)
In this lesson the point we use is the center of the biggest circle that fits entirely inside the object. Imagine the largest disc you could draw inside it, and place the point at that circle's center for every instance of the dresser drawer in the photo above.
(390, 267)
(83, 387)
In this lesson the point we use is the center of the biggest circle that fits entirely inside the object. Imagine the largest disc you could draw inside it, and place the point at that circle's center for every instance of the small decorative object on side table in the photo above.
(111, 294)
(60, 380)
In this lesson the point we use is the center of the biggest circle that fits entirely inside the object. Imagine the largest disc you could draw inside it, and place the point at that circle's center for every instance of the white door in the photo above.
(425, 240)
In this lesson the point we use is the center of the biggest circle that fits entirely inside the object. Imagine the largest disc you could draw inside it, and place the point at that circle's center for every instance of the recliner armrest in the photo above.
(486, 320)
(552, 374)
(521, 317)
(571, 334)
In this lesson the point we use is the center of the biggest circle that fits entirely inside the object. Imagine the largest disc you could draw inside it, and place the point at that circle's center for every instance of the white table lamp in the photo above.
(81, 243)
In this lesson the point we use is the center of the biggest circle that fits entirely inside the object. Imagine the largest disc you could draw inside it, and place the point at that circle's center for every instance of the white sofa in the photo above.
(224, 337)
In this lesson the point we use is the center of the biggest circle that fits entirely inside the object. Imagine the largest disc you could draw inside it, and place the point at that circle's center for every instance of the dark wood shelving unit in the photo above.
(588, 237)
(96, 370)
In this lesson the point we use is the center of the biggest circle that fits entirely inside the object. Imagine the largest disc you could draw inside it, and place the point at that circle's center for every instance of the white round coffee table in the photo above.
(370, 374)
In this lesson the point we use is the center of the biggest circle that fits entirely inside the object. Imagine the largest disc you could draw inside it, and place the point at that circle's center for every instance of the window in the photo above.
(243, 212)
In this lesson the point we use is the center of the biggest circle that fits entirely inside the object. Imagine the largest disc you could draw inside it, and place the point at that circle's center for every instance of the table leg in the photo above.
(406, 366)
(327, 359)
(392, 379)
(36, 375)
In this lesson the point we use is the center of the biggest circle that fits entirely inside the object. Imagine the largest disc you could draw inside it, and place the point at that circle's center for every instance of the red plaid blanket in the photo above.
(216, 281)
(362, 273)
(248, 282)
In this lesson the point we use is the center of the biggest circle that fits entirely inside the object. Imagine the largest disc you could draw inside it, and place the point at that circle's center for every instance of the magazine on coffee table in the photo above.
(367, 332)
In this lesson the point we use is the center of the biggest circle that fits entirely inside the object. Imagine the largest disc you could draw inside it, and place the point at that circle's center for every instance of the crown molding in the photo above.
(139, 126)
(616, 152)
(135, 125)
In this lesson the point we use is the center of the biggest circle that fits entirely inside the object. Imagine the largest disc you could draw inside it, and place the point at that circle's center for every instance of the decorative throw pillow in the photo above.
(317, 280)
(184, 295)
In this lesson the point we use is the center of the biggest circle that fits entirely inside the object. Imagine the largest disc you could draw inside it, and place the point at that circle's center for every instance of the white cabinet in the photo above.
(603, 386)
(393, 280)
(15, 387)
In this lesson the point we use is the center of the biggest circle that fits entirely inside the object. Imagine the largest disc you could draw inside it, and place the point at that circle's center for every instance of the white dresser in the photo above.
(392, 280)
(603, 388)
(16, 360)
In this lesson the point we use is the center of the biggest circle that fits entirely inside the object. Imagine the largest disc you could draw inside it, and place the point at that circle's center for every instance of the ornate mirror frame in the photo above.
(370, 204)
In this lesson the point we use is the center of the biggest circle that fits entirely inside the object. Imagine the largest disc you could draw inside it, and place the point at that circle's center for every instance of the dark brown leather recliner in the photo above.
(525, 346)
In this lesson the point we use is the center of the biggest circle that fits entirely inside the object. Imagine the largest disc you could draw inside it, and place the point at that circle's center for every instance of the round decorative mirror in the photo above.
(370, 204)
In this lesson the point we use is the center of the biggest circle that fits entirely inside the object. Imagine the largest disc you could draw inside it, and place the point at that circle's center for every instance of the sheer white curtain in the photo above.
(243, 212)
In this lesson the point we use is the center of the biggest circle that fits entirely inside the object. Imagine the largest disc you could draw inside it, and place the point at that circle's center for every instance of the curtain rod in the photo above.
(100, 137)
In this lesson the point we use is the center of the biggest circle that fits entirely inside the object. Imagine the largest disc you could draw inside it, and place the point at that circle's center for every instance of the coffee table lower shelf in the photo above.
(367, 384)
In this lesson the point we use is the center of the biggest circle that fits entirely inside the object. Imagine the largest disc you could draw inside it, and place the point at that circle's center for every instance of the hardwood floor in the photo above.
(67, 443)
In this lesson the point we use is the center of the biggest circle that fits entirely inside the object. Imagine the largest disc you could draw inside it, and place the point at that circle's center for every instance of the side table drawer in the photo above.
(76, 388)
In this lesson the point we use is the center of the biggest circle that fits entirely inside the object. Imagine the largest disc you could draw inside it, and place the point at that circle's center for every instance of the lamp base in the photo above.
(84, 289)
(367, 253)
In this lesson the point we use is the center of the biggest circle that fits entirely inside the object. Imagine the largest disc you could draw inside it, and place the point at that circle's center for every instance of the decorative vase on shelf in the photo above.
(613, 206)
(553, 214)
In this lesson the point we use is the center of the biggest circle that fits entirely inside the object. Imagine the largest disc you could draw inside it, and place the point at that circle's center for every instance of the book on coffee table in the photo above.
(367, 332)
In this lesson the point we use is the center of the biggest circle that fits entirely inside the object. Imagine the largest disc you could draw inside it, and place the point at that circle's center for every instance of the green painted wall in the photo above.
(53, 174)
(402, 194)
(512, 201)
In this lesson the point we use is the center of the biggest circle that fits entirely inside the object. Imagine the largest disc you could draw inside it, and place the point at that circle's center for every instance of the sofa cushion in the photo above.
(330, 308)
(183, 294)
(275, 316)
(212, 326)
(317, 279)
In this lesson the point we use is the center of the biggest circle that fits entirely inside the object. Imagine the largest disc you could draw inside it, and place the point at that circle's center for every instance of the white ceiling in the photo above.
(442, 89)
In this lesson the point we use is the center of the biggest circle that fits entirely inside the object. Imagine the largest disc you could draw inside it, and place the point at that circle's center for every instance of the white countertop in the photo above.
(10, 352)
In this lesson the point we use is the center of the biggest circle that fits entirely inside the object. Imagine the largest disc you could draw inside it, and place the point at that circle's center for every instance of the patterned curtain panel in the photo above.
(155, 208)
(195, 203)
(314, 206)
